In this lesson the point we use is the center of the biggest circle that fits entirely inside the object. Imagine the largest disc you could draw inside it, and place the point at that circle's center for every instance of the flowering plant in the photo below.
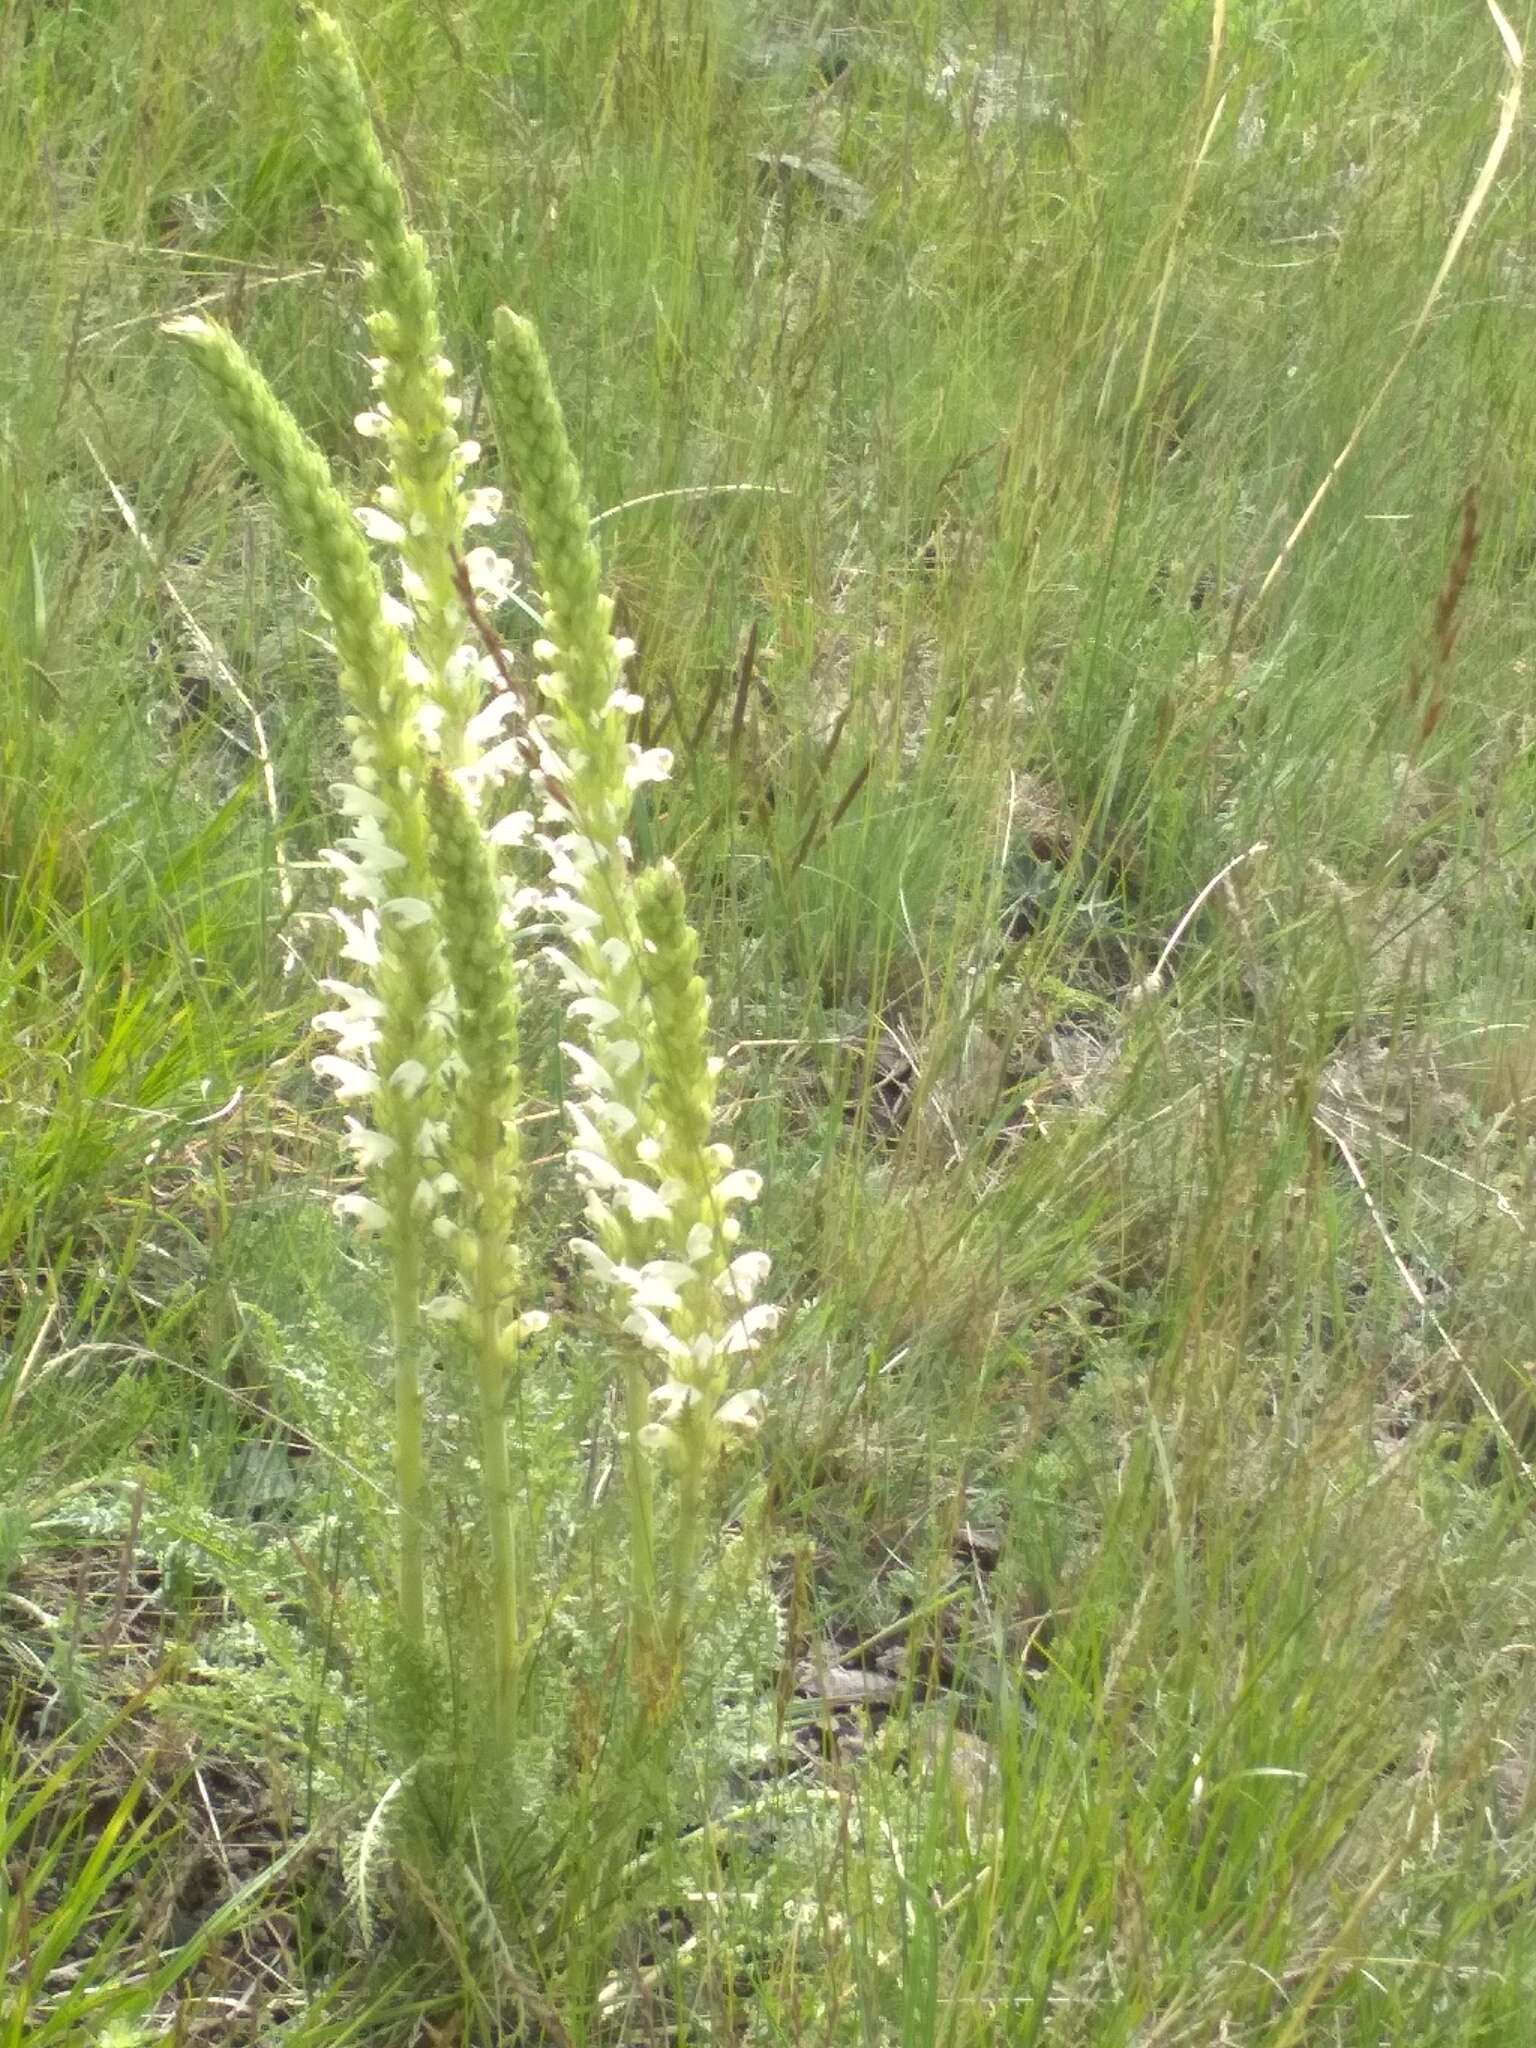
(454, 796)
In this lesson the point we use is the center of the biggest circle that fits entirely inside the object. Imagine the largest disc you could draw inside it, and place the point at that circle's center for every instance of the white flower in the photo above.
(657, 1282)
(351, 1080)
(622, 1055)
(379, 526)
(742, 1412)
(597, 1010)
(595, 1169)
(368, 1147)
(590, 1073)
(655, 1336)
(355, 802)
(428, 717)
(373, 426)
(371, 1216)
(490, 718)
(672, 1399)
(362, 936)
(505, 758)
(644, 1204)
(597, 1259)
(512, 829)
(408, 910)
(650, 764)
(745, 1274)
(356, 1027)
(573, 913)
(741, 1186)
(409, 1078)
(490, 576)
(745, 1331)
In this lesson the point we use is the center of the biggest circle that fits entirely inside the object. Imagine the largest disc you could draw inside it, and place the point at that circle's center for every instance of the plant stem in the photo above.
(406, 1321)
(644, 1647)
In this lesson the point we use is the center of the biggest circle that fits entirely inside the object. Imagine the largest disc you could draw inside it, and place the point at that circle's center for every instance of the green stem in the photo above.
(644, 1630)
(685, 1555)
(492, 1286)
(406, 1321)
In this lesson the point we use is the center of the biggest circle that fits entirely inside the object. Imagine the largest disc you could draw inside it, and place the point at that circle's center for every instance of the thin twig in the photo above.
(196, 305)
(1152, 985)
(690, 491)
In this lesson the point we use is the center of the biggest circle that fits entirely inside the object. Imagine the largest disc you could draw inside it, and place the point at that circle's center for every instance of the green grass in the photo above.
(1211, 1311)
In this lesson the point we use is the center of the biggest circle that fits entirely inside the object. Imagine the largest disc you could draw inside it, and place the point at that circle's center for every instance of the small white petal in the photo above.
(652, 764)
(746, 1273)
(743, 1412)
(409, 1078)
(745, 1331)
(490, 576)
(505, 758)
(373, 426)
(616, 1118)
(512, 829)
(368, 1147)
(371, 1216)
(408, 910)
(644, 1204)
(741, 1186)
(655, 1336)
(482, 507)
(379, 526)
(590, 1073)
(701, 1244)
(671, 1399)
(658, 1280)
(395, 613)
(594, 1169)
(354, 802)
(352, 1081)
(597, 1010)
(597, 1259)
(428, 718)
(490, 718)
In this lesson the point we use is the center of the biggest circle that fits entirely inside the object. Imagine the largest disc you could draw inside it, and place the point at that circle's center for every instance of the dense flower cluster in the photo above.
(660, 1194)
